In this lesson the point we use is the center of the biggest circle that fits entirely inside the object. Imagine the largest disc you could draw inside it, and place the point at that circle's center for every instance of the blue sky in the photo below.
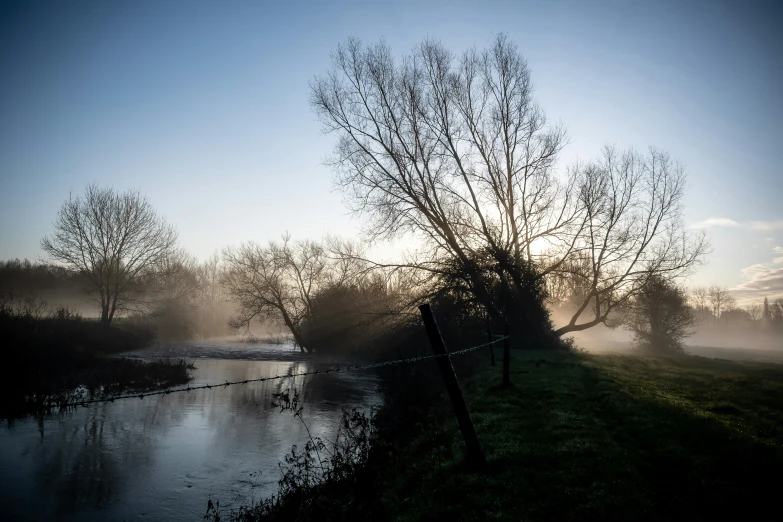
(203, 107)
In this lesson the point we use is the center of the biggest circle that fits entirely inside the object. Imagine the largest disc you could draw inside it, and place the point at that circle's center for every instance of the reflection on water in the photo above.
(160, 458)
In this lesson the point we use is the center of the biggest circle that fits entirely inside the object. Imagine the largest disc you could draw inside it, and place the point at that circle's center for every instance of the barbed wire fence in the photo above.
(441, 355)
(187, 389)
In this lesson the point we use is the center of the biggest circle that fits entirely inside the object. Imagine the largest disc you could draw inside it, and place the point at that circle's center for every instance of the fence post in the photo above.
(506, 356)
(489, 339)
(475, 456)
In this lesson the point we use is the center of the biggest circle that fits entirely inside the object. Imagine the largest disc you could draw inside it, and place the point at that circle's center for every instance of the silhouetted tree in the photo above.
(280, 281)
(754, 311)
(720, 300)
(736, 316)
(700, 301)
(350, 315)
(112, 238)
(776, 314)
(214, 308)
(456, 152)
(659, 316)
(171, 297)
(766, 314)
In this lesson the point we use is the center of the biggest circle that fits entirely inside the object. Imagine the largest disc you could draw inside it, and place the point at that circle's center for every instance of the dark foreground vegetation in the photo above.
(54, 358)
(575, 437)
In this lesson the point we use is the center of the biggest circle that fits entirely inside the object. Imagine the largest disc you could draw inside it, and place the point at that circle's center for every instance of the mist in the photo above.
(726, 338)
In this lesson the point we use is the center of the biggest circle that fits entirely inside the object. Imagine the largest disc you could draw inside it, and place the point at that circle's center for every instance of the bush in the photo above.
(659, 317)
(322, 481)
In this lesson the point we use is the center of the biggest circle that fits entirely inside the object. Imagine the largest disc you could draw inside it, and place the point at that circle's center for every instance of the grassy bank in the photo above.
(588, 437)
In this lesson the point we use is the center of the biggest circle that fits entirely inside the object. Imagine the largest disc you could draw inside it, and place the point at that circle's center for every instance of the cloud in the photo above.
(766, 225)
(716, 222)
(777, 250)
(713, 222)
(760, 281)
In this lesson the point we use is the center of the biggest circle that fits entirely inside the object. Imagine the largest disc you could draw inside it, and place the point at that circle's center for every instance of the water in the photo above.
(162, 457)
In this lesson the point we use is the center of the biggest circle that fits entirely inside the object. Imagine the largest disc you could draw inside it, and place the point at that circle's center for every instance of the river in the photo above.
(163, 457)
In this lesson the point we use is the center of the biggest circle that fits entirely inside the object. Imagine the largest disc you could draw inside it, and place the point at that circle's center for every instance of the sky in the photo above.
(203, 107)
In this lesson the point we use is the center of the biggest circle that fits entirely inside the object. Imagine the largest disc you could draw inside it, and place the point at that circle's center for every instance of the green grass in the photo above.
(603, 437)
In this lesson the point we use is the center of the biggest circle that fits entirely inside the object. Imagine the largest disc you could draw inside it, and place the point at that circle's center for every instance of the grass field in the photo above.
(604, 437)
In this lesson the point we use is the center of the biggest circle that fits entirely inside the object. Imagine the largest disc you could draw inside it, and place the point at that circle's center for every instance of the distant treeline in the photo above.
(715, 305)
(25, 278)
(182, 301)
(720, 321)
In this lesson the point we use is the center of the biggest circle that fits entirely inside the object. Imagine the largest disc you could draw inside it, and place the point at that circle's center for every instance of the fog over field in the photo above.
(743, 341)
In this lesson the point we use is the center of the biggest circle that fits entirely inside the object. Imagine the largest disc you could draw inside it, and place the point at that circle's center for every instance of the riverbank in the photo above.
(57, 360)
(603, 437)
(577, 436)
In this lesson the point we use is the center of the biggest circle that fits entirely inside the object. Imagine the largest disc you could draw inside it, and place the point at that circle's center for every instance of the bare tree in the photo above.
(211, 290)
(112, 238)
(766, 313)
(699, 299)
(456, 152)
(170, 296)
(776, 314)
(755, 312)
(720, 300)
(176, 278)
(277, 282)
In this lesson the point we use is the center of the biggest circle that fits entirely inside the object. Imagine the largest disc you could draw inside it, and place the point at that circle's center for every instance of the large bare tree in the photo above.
(455, 151)
(113, 238)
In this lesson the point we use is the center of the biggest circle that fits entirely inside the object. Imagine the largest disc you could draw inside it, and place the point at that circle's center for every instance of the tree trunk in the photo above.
(299, 341)
(113, 308)
(295, 332)
(105, 319)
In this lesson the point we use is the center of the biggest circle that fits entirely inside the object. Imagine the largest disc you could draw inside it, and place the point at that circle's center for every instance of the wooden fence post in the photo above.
(475, 456)
(489, 339)
(506, 357)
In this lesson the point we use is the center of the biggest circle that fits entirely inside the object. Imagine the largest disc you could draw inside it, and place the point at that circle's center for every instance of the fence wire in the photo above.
(226, 384)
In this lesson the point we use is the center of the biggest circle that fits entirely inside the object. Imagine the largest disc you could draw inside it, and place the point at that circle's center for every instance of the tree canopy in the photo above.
(454, 150)
(659, 316)
(112, 238)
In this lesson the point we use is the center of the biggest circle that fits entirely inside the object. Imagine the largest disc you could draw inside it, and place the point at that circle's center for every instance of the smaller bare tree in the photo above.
(112, 238)
(699, 300)
(699, 297)
(755, 312)
(277, 282)
(170, 294)
(720, 300)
